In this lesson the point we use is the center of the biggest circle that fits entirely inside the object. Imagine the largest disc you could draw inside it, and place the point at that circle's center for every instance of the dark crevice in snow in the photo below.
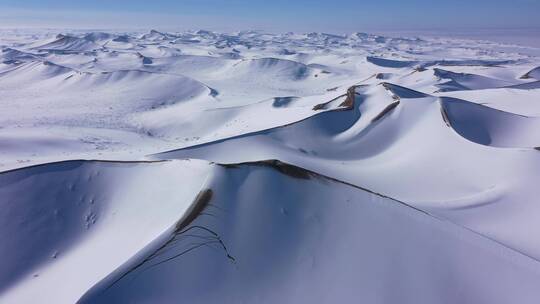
(445, 116)
(324, 105)
(351, 96)
(199, 204)
(180, 233)
(284, 168)
(386, 110)
(347, 104)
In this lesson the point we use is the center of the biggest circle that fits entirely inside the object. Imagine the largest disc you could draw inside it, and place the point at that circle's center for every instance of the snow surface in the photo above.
(247, 167)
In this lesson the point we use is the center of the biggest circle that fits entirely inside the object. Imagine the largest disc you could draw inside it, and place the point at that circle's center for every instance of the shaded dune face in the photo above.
(76, 203)
(464, 81)
(248, 167)
(245, 245)
(534, 73)
(491, 127)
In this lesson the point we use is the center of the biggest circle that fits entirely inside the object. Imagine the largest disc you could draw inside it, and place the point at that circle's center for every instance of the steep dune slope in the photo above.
(320, 241)
(491, 127)
(82, 219)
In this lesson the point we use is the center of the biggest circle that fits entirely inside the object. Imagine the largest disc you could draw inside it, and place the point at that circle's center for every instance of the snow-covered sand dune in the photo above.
(248, 167)
(83, 219)
(318, 241)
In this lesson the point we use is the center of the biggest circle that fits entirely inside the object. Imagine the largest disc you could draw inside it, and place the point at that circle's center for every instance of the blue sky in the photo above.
(276, 15)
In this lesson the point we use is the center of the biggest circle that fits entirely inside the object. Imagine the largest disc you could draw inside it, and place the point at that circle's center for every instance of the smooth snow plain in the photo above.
(248, 167)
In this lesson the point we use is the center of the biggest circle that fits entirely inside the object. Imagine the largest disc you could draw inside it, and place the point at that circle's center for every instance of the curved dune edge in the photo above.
(201, 214)
(175, 255)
